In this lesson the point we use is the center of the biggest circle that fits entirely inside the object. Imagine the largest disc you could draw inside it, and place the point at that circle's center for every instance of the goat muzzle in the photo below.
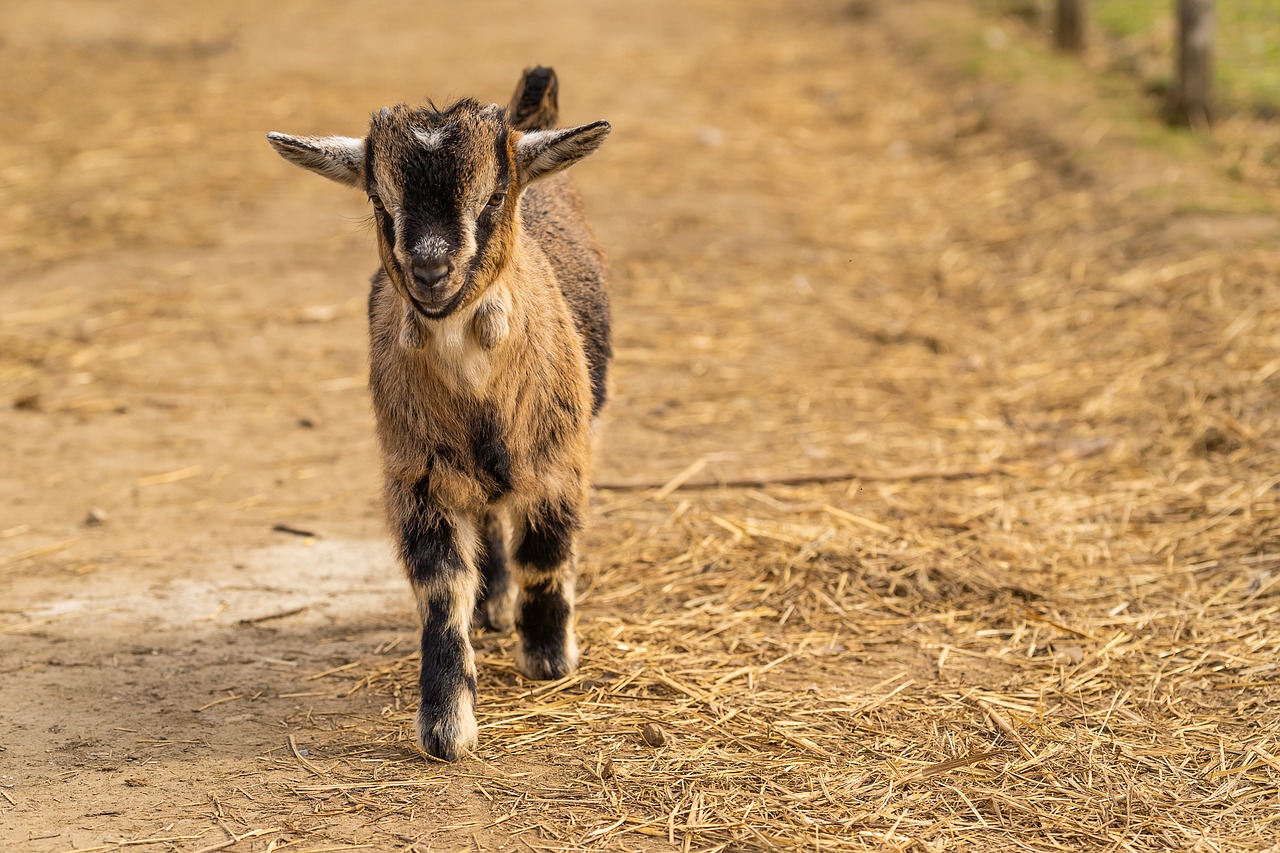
(428, 275)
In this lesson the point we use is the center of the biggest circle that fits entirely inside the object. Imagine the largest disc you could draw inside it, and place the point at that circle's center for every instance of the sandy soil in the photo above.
(829, 249)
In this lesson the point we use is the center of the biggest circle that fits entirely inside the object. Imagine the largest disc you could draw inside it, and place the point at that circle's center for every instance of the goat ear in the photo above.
(338, 158)
(544, 152)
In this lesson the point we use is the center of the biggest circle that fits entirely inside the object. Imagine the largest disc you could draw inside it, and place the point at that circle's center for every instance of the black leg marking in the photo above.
(445, 586)
(546, 632)
(544, 614)
(446, 721)
(496, 601)
(548, 540)
(427, 541)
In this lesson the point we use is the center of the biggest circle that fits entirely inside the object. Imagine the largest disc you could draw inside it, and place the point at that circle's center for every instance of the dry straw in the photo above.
(921, 677)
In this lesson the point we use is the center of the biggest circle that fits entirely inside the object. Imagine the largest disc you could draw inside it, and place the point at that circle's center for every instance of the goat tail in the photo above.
(535, 104)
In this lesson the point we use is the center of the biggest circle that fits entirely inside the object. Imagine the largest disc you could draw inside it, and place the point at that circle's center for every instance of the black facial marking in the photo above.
(433, 181)
(490, 216)
(549, 542)
(489, 446)
(369, 187)
(544, 614)
(386, 226)
(504, 164)
(439, 183)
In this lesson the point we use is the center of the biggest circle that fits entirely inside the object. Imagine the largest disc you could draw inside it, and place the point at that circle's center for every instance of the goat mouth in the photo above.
(436, 309)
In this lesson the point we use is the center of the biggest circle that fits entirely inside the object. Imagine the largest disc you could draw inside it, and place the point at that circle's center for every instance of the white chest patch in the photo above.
(461, 346)
(456, 355)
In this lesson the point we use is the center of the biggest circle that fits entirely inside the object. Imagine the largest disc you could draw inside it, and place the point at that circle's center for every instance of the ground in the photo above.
(937, 501)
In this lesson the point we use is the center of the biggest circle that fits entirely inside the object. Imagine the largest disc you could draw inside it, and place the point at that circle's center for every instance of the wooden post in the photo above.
(1068, 26)
(1193, 97)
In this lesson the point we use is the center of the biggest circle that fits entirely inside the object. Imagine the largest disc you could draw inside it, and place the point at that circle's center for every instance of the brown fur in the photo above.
(489, 342)
(423, 404)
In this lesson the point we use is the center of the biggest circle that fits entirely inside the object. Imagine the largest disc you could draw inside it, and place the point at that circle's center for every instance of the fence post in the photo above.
(1193, 97)
(1068, 25)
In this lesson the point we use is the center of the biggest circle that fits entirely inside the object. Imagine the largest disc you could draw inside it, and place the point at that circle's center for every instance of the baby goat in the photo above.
(489, 346)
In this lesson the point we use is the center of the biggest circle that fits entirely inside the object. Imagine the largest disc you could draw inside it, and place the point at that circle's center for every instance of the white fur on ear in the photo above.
(338, 158)
(544, 152)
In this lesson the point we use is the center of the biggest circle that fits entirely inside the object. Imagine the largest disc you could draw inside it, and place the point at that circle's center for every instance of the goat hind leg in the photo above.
(545, 567)
(495, 605)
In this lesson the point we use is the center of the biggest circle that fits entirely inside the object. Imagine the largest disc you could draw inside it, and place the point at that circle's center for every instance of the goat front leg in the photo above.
(545, 567)
(438, 548)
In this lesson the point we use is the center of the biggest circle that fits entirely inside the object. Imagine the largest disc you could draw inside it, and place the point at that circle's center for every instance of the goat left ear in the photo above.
(338, 158)
(544, 152)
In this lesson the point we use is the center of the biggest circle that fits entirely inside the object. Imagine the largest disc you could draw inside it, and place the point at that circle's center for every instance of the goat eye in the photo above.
(496, 199)
(376, 200)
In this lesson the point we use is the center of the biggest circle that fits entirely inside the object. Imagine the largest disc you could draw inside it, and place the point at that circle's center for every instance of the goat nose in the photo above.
(429, 272)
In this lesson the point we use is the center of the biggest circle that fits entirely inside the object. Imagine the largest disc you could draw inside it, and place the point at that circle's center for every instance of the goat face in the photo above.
(445, 188)
(441, 188)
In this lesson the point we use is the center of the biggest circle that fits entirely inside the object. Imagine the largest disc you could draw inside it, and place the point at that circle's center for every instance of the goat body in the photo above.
(489, 349)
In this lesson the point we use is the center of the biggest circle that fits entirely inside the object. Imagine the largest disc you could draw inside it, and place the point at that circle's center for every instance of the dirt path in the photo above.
(1046, 612)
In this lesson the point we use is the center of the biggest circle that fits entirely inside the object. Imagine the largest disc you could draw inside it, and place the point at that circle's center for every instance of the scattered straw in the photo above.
(33, 553)
(209, 705)
(170, 476)
(909, 694)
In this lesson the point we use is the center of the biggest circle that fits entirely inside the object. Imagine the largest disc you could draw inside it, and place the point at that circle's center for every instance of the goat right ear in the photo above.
(338, 158)
(544, 152)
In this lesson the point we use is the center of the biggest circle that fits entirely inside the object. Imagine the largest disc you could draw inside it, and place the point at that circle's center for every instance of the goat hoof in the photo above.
(447, 738)
(546, 665)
